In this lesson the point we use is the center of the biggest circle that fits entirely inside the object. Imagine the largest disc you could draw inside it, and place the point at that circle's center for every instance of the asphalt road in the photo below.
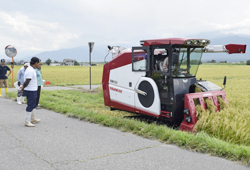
(60, 142)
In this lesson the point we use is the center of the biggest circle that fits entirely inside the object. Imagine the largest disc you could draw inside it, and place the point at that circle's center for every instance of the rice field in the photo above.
(232, 123)
(67, 75)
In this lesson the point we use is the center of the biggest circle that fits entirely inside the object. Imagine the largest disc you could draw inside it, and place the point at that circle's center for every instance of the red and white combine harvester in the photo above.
(159, 78)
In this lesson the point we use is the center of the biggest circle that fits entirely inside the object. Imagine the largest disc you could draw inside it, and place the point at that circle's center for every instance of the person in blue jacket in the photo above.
(20, 80)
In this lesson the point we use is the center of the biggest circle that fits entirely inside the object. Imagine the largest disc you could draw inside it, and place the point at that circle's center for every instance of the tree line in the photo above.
(49, 61)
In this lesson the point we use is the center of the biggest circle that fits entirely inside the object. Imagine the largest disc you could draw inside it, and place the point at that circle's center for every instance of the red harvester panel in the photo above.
(235, 48)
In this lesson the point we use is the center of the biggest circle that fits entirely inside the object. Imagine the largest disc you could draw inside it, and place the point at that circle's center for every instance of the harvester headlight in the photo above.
(188, 119)
(186, 111)
(196, 42)
(205, 42)
(188, 42)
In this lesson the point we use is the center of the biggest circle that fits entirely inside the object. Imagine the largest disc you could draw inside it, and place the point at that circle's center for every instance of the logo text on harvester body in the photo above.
(115, 89)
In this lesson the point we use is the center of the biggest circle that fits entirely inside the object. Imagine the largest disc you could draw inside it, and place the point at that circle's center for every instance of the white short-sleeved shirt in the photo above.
(30, 73)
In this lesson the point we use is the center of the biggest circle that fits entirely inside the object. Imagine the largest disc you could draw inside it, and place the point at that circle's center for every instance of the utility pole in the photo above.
(91, 45)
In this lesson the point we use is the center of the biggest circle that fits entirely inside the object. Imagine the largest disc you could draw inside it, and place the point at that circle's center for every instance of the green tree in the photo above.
(248, 62)
(48, 61)
(56, 61)
(76, 63)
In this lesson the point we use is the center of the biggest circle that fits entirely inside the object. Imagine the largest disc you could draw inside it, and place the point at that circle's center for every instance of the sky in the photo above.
(48, 25)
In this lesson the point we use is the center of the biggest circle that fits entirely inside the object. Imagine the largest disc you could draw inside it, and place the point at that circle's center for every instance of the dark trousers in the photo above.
(38, 95)
(31, 100)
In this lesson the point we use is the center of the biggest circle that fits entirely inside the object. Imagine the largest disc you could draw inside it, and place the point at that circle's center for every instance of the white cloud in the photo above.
(55, 24)
(32, 35)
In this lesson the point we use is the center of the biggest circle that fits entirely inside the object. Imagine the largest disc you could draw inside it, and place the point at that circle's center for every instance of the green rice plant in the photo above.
(230, 124)
(197, 89)
(225, 125)
(210, 105)
(222, 103)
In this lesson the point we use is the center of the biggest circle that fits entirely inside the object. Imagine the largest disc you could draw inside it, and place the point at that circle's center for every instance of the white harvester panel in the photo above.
(121, 95)
(122, 82)
(147, 96)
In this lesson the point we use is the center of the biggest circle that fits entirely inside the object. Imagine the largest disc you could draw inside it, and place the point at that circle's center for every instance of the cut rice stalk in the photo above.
(199, 110)
(210, 105)
(222, 103)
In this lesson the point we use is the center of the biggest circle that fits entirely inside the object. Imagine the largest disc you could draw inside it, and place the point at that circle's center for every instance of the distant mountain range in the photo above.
(81, 54)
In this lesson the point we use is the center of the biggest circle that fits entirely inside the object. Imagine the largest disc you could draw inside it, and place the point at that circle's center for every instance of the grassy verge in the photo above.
(89, 107)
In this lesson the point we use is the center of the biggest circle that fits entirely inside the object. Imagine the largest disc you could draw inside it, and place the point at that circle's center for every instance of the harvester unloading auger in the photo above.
(159, 79)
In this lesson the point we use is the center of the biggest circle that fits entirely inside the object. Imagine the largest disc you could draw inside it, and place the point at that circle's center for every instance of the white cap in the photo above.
(26, 64)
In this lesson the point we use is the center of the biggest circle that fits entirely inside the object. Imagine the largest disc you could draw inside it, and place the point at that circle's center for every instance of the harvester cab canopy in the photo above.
(177, 57)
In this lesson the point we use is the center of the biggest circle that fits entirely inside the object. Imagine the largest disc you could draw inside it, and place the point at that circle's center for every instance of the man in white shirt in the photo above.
(30, 90)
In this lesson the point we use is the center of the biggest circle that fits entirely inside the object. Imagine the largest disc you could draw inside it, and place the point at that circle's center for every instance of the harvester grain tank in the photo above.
(159, 79)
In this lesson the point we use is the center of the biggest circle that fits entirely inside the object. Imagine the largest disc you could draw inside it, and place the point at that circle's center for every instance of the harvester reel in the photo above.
(146, 100)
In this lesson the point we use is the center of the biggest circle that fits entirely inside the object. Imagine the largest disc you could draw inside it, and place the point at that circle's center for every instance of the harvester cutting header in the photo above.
(159, 78)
